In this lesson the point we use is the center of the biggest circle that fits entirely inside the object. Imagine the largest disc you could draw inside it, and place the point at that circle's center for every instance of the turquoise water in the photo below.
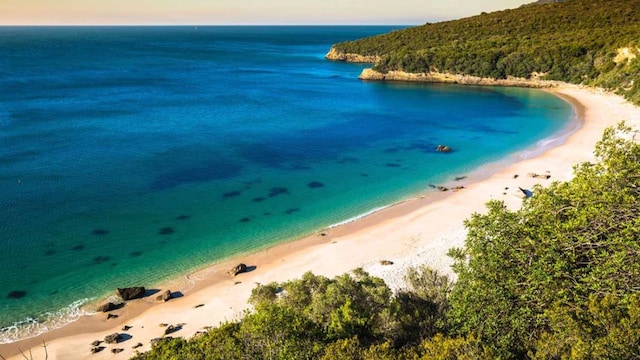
(133, 155)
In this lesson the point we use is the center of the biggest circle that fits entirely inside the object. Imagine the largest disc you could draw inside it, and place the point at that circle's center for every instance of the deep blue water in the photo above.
(132, 155)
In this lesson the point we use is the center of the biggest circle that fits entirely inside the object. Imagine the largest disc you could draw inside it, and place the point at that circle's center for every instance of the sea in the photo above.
(134, 155)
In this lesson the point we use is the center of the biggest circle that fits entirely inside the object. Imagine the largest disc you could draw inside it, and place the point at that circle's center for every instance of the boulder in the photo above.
(238, 269)
(443, 148)
(107, 307)
(131, 293)
(112, 316)
(113, 338)
(169, 329)
(165, 296)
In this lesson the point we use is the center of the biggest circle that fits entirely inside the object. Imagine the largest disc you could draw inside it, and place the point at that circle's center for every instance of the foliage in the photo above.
(557, 279)
(573, 41)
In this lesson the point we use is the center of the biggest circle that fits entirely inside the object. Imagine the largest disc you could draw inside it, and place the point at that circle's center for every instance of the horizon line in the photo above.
(195, 24)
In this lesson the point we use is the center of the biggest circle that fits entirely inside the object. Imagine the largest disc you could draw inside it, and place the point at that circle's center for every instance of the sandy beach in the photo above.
(418, 231)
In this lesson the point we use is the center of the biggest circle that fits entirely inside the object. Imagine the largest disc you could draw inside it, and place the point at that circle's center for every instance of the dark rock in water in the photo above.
(315, 185)
(49, 252)
(101, 259)
(183, 217)
(113, 338)
(16, 294)
(165, 296)
(443, 148)
(78, 248)
(275, 191)
(258, 199)
(244, 220)
(112, 316)
(131, 293)
(135, 253)
(168, 230)
(442, 188)
(100, 232)
(107, 307)
(231, 194)
(392, 165)
(458, 178)
(238, 269)
(291, 211)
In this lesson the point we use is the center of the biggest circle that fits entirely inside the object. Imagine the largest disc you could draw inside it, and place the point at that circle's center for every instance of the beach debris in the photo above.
(112, 316)
(131, 293)
(442, 188)
(126, 328)
(107, 307)
(96, 349)
(137, 346)
(170, 329)
(165, 296)
(386, 262)
(539, 176)
(525, 192)
(457, 188)
(237, 283)
(113, 338)
(238, 269)
(163, 325)
(443, 148)
(515, 176)
(197, 306)
(117, 350)
(96, 343)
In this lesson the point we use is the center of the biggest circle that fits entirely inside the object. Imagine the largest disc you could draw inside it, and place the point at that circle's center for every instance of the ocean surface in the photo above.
(132, 155)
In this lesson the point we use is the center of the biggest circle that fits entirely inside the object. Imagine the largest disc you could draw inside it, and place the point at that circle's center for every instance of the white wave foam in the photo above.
(31, 326)
(358, 217)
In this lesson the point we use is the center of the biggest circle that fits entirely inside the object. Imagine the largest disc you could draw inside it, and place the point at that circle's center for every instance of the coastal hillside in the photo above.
(591, 42)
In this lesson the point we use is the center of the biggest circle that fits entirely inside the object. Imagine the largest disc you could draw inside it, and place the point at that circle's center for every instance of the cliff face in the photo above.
(337, 55)
(434, 77)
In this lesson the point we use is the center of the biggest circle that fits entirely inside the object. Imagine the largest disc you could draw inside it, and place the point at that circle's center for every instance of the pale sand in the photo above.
(415, 232)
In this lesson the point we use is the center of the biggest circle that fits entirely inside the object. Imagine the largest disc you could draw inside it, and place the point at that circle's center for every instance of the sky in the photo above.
(241, 12)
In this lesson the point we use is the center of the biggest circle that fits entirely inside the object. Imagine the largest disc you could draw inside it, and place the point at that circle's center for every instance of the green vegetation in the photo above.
(557, 279)
(575, 41)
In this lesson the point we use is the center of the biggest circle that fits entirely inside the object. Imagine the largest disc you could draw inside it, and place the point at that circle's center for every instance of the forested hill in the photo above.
(594, 42)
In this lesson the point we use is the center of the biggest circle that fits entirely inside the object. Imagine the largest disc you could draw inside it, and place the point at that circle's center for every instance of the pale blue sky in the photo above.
(59, 12)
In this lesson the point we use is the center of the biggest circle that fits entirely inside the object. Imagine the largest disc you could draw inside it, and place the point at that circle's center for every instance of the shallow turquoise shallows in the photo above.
(129, 156)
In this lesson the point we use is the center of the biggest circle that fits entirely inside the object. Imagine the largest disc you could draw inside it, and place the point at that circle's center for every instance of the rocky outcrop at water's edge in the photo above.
(435, 77)
(337, 55)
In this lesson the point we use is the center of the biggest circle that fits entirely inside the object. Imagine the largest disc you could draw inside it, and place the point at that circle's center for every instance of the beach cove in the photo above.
(188, 147)
(418, 231)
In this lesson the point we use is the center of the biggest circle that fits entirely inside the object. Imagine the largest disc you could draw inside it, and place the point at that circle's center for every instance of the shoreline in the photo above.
(421, 232)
